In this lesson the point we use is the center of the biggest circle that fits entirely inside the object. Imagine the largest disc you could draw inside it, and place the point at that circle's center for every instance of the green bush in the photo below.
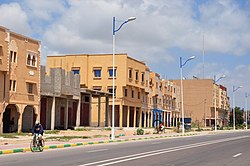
(140, 131)
(82, 129)
(52, 131)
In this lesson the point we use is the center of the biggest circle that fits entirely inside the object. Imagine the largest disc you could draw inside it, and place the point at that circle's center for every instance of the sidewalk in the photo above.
(23, 144)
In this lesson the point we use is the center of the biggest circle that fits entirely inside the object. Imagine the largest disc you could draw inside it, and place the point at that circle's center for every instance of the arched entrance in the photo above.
(28, 119)
(10, 119)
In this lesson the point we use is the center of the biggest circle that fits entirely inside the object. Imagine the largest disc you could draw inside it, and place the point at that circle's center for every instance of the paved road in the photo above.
(228, 149)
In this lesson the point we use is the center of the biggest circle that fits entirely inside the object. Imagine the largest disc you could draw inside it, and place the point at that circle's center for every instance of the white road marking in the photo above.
(157, 152)
(237, 155)
(156, 143)
(98, 150)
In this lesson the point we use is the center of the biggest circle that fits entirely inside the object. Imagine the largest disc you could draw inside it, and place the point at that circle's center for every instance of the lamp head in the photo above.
(223, 76)
(192, 57)
(240, 86)
(131, 19)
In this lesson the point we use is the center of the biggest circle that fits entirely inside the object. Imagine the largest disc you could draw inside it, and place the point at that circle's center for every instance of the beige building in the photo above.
(171, 103)
(199, 101)
(19, 81)
(96, 74)
(140, 98)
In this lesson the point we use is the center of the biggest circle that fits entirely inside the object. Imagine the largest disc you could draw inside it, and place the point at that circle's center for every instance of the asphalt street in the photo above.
(228, 149)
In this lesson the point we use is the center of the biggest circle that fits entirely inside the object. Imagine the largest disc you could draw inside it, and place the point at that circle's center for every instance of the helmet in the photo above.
(37, 122)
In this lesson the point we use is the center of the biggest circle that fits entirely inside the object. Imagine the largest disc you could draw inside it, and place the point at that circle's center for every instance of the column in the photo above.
(145, 118)
(167, 120)
(176, 120)
(99, 110)
(121, 115)
(53, 112)
(151, 118)
(164, 118)
(20, 117)
(107, 121)
(148, 119)
(90, 110)
(170, 119)
(140, 118)
(128, 114)
(66, 115)
(78, 113)
(134, 116)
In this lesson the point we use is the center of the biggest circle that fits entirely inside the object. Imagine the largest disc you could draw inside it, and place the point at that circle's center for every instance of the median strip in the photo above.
(18, 150)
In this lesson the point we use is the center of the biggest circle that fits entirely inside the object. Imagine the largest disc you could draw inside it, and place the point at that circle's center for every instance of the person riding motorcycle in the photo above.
(37, 129)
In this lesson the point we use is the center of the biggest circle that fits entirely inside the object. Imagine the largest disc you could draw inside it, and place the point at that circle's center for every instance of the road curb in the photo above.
(19, 150)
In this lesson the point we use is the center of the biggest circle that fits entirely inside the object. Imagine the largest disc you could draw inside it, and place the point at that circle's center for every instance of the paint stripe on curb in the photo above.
(90, 143)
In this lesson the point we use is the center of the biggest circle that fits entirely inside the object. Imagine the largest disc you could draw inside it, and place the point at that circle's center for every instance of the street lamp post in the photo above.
(215, 116)
(182, 100)
(234, 90)
(113, 70)
(246, 96)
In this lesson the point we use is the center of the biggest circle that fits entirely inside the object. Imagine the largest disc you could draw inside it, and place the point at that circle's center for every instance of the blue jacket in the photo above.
(37, 129)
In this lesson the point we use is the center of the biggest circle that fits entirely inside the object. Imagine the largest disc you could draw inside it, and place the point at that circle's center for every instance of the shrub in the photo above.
(52, 131)
(82, 129)
(140, 131)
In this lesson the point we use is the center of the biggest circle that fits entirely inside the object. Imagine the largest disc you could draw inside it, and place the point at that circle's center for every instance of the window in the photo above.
(110, 90)
(14, 60)
(139, 95)
(130, 73)
(28, 59)
(125, 92)
(13, 56)
(76, 70)
(132, 93)
(12, 85)
(32, 59)
(111, 72)
(1, 50)
(136, 75)
(97, 88)
(30, 88)
(142, 77)
(97, 73)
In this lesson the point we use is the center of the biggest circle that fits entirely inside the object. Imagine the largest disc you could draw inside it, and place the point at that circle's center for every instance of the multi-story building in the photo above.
(223, 107)
(96, 75)
(199, 101)
(171, 103)
(140, 98)
(155, 97)
(19, 81)
(60, 99)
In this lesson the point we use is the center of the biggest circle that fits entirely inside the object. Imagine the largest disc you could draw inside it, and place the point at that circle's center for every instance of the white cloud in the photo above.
(14, 18)
(44, 10)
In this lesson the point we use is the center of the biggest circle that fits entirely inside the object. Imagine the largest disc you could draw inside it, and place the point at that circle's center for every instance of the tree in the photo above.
(239, 119)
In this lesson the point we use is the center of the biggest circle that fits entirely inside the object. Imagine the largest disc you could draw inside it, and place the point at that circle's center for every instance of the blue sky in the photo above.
(163, 31)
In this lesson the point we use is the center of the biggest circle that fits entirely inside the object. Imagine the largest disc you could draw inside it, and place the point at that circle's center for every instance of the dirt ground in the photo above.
(88, 133)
